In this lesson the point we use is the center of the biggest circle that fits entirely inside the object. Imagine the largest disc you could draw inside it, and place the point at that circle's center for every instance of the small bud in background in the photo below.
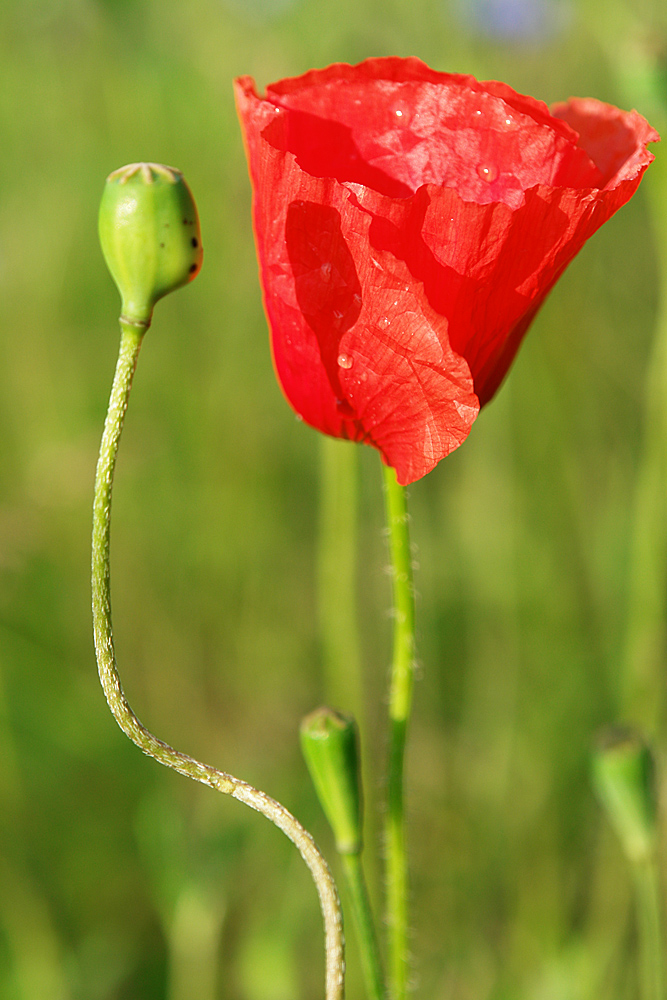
(623, 775)
(329, 743)
(149, 232)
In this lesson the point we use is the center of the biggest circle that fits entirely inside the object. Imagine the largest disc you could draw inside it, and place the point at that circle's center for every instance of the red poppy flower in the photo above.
(409, 225)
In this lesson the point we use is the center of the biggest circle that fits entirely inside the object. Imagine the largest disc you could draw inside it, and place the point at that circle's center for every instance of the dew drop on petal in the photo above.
(488, 172)
(402, 113)
(344, 361)
(384, 322)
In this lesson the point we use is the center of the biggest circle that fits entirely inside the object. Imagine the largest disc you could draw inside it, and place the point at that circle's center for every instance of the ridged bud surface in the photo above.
(150, 236)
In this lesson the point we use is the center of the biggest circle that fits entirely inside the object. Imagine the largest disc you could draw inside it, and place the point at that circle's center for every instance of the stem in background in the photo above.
(628, 37)
(337, 576)
(400, 700)
(364, 926)
(131, 338)
(641, 698)
(647, 891)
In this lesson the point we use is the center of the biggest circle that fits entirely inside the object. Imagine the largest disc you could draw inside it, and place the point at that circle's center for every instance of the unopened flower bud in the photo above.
(623, 774)
(330, 747)
(149, 232)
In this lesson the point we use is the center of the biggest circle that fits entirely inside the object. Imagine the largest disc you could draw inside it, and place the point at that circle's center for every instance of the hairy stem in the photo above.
(131, 338)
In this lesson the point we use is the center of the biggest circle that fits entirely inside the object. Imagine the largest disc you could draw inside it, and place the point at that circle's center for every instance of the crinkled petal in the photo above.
(409, 225)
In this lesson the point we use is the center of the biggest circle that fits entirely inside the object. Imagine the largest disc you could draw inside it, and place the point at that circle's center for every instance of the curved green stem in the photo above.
(131, 339)
(400, 701)
(365, 928)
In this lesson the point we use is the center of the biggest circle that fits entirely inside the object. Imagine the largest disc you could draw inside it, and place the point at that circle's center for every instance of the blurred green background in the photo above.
(119, 880)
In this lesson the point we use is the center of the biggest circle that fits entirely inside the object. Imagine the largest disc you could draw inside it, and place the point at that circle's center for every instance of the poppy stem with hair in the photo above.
(131, 339)
(400, 701)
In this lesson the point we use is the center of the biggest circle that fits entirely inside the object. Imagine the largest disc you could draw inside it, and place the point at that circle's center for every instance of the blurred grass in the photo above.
(523, 537)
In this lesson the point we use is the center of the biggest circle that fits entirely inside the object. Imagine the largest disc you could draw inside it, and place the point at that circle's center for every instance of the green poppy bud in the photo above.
(623, 774)
(149, 232)
(329, 743)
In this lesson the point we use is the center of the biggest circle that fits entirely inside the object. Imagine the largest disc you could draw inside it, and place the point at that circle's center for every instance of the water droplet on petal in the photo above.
(384, 322)
(488, 172)
(478, 112)
(402, 113)
(344, 361)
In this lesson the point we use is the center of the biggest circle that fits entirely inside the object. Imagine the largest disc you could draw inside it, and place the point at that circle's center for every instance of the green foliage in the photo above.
(523, 536)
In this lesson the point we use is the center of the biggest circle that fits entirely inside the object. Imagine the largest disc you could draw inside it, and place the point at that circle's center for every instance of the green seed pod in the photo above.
(149, 232)
(330, 747)
(623, 775)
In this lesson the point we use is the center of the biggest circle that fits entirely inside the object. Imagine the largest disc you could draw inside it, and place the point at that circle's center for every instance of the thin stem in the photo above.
(400, 701)
(341, 656)
(626, 37)
(337, 575)
(647, 891)
(364, 926)
(131, 338)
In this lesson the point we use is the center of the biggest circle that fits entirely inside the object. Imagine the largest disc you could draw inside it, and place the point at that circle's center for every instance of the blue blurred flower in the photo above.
(515, 20)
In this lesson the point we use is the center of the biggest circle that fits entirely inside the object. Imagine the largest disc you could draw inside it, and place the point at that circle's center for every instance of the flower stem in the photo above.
(131, 338)
(365, 929)
(647, 892)
(400, 700)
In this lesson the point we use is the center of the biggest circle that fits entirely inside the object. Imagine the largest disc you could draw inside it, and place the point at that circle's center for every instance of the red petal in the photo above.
(409, 225)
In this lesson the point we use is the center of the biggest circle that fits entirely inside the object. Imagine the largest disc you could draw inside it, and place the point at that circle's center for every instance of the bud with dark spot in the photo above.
(149, 232)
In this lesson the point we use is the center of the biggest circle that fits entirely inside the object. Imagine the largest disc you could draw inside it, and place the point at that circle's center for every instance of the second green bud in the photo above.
(330, 746)
(623, 774)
